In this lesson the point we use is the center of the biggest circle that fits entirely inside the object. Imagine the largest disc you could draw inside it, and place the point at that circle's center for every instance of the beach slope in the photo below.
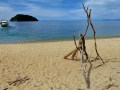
(46, 69)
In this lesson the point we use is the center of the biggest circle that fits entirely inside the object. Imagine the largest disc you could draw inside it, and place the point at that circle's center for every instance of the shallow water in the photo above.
(54, 30)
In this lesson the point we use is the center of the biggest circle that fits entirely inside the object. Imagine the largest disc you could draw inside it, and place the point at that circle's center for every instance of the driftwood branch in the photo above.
(83, 52)
(84, 46)
(70, 53)
(75, 42)
(89, 21)
(73, 52)
(98, 56)
(81, 47)
(88, 15)
(19, 81)
(82, 68)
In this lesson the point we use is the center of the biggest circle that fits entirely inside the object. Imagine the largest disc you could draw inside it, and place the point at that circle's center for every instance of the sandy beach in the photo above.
(46, 69)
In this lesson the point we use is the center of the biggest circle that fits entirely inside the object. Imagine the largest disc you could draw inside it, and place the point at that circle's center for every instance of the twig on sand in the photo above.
(19, 81)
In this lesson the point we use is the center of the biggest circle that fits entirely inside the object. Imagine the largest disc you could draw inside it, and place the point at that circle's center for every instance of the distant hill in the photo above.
(21, 17)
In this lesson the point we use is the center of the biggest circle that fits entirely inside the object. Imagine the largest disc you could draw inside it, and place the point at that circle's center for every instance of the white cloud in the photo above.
(101, 9)
(42, 11)
(80, 14)
(46, 12)
(5, 11)
(104, 9)
(8, 11)
(47, 1)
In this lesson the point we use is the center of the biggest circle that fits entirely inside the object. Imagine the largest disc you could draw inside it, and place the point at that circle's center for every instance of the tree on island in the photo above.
(21, 17)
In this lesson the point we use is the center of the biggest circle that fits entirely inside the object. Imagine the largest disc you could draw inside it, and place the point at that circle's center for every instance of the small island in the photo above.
(22, 17)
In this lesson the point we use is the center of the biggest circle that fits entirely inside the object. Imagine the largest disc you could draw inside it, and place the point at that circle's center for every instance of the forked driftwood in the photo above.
(82, 68)
(81, 47)
(89, 23)
(19, 81)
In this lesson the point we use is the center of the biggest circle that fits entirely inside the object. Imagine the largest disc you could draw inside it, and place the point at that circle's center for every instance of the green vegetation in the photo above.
(21, 17)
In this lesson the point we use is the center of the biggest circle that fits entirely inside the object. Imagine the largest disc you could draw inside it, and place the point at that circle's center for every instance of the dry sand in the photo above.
(43, 63)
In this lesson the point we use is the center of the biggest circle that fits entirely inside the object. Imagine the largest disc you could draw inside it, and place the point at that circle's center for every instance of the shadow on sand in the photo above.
(92, 60)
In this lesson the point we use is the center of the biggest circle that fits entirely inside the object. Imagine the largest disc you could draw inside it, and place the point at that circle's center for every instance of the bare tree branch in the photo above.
(75, 42)
(89, 21)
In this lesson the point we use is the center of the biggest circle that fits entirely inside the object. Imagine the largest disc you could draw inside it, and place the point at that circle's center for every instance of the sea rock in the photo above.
(21, 17)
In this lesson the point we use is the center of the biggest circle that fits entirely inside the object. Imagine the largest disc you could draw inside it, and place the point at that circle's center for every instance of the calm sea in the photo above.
(55, 30)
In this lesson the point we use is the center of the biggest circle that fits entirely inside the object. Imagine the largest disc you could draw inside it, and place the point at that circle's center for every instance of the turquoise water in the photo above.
(54, 30)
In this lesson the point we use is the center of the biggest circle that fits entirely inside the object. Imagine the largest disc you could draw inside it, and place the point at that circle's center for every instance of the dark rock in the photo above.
(21, 17)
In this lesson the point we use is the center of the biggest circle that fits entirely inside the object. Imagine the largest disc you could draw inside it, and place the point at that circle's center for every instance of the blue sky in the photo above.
(60, 9)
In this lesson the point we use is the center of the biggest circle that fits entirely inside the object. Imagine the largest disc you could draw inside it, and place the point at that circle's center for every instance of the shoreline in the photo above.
(59, 40)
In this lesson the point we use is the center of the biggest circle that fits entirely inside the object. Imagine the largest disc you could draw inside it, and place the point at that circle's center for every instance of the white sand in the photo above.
(43, 63)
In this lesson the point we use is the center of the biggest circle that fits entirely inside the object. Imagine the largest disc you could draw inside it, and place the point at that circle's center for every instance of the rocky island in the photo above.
(21, 17)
